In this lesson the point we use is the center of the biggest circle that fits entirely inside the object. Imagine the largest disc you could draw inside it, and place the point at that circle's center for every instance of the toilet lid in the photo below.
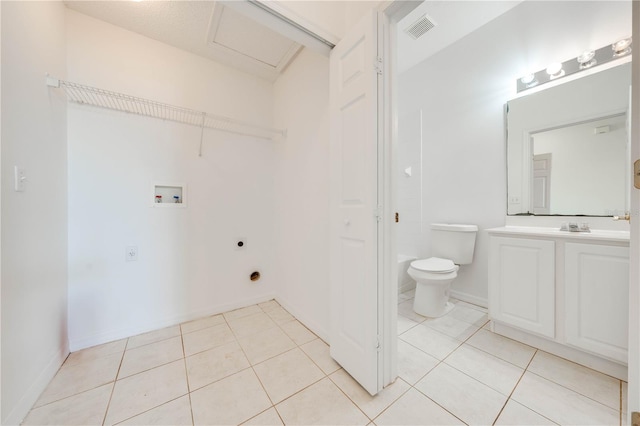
(434, 264)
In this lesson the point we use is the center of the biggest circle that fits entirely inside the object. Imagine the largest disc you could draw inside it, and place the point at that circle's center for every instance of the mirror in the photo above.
(568, 147)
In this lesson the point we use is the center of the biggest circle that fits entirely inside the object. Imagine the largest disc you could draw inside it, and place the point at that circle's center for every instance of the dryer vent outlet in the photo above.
(255, 276)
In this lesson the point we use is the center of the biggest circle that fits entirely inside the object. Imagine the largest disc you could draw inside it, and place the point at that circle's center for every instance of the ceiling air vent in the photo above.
(420, 26)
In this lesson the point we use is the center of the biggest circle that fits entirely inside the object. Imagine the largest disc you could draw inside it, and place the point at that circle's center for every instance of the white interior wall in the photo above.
(462, 91)
(302, 190)
(409, 183)
(34, 222)
(189, 265)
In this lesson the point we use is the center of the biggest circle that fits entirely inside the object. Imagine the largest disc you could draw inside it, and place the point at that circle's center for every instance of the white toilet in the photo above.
(451, 245)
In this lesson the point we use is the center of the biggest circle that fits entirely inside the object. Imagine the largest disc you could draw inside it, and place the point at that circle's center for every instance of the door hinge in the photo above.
(378, 65)
(377, 212)
(397, 217)
(378, 344)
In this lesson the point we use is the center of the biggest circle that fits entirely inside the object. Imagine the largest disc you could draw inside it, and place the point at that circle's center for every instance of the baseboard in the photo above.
(469, 298)
(117, 334)
(319, 331)
(21, 409)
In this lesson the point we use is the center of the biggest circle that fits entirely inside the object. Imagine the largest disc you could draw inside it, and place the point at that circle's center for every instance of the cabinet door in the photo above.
(596, 298)
(522, 283)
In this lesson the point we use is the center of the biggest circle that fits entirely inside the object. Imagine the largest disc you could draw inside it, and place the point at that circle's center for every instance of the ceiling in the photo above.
(206, 28)
(215, 31)
(453, 19)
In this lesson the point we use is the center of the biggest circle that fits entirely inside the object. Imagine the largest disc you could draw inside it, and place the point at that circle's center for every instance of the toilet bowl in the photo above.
(433, 278)
(451, 245)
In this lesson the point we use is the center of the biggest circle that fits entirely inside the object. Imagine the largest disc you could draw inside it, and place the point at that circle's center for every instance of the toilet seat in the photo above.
(434, 265)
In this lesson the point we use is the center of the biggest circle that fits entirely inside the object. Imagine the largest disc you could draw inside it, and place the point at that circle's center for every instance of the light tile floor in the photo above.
(260, 366)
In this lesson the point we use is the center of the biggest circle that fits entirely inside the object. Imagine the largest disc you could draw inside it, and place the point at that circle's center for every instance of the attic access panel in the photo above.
(245, 40)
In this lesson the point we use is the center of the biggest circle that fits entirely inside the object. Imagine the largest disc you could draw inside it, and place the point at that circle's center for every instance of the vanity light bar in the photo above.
(587, 59)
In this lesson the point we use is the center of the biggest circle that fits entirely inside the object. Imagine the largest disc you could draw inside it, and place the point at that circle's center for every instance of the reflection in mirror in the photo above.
(568, 147)
(579, 168)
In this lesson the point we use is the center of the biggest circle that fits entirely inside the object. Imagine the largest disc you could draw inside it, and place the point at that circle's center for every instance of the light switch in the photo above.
(19, 179)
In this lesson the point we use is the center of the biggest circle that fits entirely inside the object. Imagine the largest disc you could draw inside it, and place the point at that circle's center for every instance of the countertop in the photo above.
(594, 235)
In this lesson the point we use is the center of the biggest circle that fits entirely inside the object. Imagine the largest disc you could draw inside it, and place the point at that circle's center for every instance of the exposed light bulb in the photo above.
(529, 80)
(586, 59)
(555, 70)
(621, 47)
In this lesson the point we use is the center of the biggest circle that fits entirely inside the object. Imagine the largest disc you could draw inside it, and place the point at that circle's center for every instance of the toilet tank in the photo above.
(453, 241)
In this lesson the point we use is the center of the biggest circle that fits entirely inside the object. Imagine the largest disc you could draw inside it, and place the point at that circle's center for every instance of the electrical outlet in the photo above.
(131, 253)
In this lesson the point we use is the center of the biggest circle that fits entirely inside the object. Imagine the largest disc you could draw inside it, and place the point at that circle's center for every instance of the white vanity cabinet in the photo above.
(596, 281)
(565, 293)
(522, 283)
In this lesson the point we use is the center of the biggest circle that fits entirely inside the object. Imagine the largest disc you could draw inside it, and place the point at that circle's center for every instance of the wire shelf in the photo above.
(87, 95)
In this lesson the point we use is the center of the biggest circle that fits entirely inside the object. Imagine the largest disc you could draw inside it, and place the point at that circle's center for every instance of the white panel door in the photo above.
(541, 183)
(354, 204)
(522, 283)
(596, 295)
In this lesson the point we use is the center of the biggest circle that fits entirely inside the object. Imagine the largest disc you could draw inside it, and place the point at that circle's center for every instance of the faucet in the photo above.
(575, 227)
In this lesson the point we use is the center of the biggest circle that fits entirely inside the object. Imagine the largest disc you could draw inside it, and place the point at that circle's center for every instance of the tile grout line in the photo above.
(251, 365)
(326, 376)
(448, 355)
(166, 402)
(514, 389)
(115, 380)
(526, 369)
(156, 366)
(34, 407)
(155, 341)
(536, 350)
(186, 373)
(298, 346)
(432, 400)
(571, 390)
(621, 403)
(150, 409)
(440, 361)
(241, 348)
(348, 397)
(507, 361)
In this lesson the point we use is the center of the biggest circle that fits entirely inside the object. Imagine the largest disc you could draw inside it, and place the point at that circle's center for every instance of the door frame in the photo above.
(392, 12)
(633, 394)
